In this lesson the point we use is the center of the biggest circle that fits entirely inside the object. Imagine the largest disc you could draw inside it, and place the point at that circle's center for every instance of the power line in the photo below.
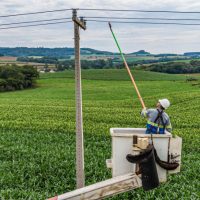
(145, 11)
(144, 18)
(12, 27)
(101, 21)
(46, 20)
(89, 17)
(26, 22)
(149, 18)
(34, 13)
(129, 22)
(97, 9)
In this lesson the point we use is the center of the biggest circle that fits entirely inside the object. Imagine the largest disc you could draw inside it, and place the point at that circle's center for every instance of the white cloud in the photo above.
(133, 37)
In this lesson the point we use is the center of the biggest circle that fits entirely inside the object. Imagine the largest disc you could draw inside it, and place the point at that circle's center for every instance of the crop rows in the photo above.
(37, 138)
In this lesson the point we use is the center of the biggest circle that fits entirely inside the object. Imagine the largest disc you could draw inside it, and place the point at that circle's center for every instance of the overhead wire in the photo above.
(13, 27)
(35, 13)
(144, 18)
(101, 9)
(135, 10)
(35, 21)
(131, 22)
(96, 19)
(134, 18)
(92, 19)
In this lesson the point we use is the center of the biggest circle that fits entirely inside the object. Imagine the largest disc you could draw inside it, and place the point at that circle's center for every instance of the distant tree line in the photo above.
(175, 67)
(165, 54)
(17, 77)
(45, 59)
(69, 63)
(86, 64)
(192, 54)
(159, 60)
(54, 52)
(91, 64)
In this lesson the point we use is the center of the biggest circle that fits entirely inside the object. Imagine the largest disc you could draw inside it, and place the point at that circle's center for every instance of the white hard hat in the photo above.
(164, 103)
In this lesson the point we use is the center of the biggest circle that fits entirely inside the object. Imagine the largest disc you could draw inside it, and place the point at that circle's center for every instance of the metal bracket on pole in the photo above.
(80, 176)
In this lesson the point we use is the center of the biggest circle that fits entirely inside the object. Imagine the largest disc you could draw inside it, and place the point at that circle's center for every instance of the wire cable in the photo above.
(12, 27)
(27, 22)
(145, 11)
(101, 21)
(97, 9)
(135, 18)
(34, 13)
(56, 19)
(129, 22)
(145, 18)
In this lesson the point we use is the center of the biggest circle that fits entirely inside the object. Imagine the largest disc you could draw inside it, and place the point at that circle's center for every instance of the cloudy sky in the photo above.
(132, 37)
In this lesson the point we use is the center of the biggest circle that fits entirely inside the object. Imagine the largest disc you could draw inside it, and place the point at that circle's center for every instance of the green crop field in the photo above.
(118, 75)
(37, 138)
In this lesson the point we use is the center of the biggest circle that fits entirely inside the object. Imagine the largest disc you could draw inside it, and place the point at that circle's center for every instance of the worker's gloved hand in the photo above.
(144, 112)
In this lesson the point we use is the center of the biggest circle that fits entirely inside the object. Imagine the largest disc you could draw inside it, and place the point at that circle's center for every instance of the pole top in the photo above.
(80, 22)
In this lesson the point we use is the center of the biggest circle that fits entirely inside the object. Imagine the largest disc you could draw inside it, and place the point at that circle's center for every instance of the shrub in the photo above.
(17, 77)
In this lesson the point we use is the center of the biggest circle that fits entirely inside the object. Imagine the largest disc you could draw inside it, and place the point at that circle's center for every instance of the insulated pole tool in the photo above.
(127, 67)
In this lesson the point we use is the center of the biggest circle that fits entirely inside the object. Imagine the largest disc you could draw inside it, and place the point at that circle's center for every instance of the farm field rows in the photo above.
(37, 139)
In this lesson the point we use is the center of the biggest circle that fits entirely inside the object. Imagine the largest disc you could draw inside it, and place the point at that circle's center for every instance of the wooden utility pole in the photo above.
(80, 176)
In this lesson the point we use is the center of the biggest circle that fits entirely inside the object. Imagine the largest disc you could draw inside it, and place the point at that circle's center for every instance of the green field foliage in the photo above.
(37, 139)
(117, 74)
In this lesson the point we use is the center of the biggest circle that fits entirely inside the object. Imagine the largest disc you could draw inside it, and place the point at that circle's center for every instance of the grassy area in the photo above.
(116, 74)
(37, 140)
(187, 61)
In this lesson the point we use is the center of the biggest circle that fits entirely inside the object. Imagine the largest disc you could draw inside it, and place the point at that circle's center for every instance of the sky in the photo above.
(132, 37)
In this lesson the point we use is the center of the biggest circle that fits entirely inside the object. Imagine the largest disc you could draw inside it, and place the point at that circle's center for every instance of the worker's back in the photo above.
(157, 122)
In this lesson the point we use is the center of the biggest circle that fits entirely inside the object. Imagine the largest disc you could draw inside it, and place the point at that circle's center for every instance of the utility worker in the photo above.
(158, 120)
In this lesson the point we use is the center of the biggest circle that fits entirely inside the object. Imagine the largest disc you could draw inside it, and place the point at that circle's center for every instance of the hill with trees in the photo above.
(53, 52)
